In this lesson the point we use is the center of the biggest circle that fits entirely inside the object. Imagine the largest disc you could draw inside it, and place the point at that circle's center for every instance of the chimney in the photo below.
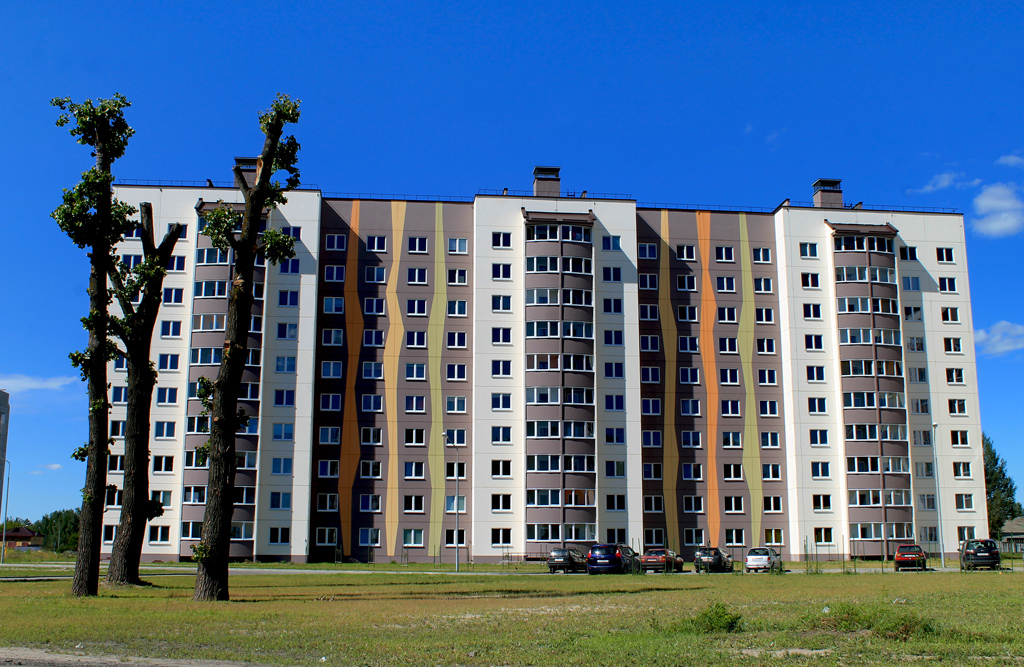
(248, 167)
(828, 193)
(546, 182)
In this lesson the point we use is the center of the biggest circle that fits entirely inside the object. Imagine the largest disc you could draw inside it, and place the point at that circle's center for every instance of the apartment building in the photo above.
(491, 376)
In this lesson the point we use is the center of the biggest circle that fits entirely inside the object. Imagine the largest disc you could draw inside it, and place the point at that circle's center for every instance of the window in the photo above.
(371, 338)
(727, 315)
(163, 430)
(762, 285)
(649, 343)
(167, 362)
(772, 504)
(171, 328)
(457, 308)
(687, 375)
(610, 243)
(693, 504)
(647, 281)
(689, 439)
(812, 311)
(727, 345)
(733, 504)
(459, 276)
(817, 405)
(283, 432)
(288, 298)
(415, 307)
(823, 536)
(415, 371)
(692, 471)
(414, 404)
(734, 537)
(951, 315)
(614, 402)
(611, 274)
(766, 346)
(947, 284)
(417, 244)
(455, 404)
(369, 537)
(762, 255)
(915, 344)
(957, 406)
(615, 502)
(964, 501)
(415, 437)
(613, 306)
(415, 339)
(648, 438)
(819, 437)
(454, 339)
(415, 470)
(809, 280)
(730, 408)
(458, 246)
(732, 471)
(650, 406)
(951, 345)
(501, 435)
(193, 495)
(911, 284)
(368, 502)
(377, 243)
(614, 468)
(613, 337)
(913, 314)
(813, 342)
(820, 469)
(652, 471)
(769, 439)
(500, 240)
(501, 536)
(327, 536)
(689, 407)
(159, 534)
(764, 315)
(724, 254)
(337, 242)
(821, 502)
(808, 250)
(543, 264)
(289, 266)
(373, 306)
(944, 254)
(725, 284)
(417, 276)
(908, 253)
(767, 376)
(771, 471)
(501, 303)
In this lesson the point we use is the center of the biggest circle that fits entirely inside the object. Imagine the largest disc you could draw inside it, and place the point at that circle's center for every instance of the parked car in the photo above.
(566, 560)
(662, 560)
(764, 559)
(979, 553)
(614, 558)
(909, 556)
(712, 559)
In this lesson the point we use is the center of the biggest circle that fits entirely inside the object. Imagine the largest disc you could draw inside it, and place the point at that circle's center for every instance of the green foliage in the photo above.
(277, 247)
(78, 215)
(897, 624)
(716, 618)
(1000, 490)
(81, 453)
(221, 223)
(200, 552)
(62, 525)
(100, 123)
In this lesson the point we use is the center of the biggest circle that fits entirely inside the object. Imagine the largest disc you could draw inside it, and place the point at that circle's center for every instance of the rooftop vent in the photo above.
(828, 193)
(546, 182)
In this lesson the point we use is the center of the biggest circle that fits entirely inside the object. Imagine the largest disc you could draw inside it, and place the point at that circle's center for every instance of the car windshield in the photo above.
(655, 552)
(758, 552)
(711, 552)
(909, 549)
(602, 551)
(559, 552)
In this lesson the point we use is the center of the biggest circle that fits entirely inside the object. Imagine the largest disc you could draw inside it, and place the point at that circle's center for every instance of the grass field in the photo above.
(419, 619)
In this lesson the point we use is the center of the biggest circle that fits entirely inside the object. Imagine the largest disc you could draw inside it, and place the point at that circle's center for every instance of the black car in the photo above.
(979, 553)
(566, 560)
(712, 559)
(614, 558)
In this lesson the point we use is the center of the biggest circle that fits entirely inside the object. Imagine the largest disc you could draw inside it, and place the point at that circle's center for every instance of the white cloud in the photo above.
(945, 180)
(1001, 209)
(1011, 161)
(1001, 338)
(51, 466)
(18, 383)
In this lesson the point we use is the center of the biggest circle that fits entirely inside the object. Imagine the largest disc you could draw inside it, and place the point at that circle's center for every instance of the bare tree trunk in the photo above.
(90, 530)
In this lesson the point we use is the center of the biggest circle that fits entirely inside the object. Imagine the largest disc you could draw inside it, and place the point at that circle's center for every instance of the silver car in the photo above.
(763, 558)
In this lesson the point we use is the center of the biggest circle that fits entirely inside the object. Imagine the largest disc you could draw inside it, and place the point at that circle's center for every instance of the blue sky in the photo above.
(692, 103)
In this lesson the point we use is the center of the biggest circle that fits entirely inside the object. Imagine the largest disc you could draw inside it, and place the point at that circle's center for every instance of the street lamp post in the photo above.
(938, 500)
(7, 502)
(448, 443)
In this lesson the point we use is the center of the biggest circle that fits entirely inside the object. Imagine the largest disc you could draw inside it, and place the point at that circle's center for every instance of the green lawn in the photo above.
(421, 619)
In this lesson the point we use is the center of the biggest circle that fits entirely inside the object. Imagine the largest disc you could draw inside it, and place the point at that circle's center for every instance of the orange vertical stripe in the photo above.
(708, 347)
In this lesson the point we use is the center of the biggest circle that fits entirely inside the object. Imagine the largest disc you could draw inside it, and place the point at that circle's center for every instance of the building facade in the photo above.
(498, 375)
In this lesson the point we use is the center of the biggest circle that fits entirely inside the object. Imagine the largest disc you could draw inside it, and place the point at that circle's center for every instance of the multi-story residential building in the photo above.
(495, 375)
(5, 420)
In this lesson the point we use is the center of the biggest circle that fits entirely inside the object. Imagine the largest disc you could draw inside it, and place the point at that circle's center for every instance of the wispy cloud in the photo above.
(748, 129)
(19, 383)
(945, 180)
(1011, 161)
(51, 466)
(1001, 209)
(999, 339)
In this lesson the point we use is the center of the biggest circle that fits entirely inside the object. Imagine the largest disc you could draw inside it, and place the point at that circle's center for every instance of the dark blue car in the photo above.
(612, 558)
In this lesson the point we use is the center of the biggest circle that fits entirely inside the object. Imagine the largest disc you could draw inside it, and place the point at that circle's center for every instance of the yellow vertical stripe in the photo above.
(751, 449)
(670, 334)
(708, 346)
(435, 346)
(392, 351)
(350, 417)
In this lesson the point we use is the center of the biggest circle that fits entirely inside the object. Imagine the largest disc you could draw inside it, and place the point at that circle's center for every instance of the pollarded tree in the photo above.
(93, 219)
(228, 229)
(139, 291)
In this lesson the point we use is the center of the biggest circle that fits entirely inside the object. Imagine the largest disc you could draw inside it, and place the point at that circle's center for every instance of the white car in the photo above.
(763, 558)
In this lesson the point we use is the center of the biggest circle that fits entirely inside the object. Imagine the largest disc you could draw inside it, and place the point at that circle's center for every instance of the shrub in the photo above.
(716, 618)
